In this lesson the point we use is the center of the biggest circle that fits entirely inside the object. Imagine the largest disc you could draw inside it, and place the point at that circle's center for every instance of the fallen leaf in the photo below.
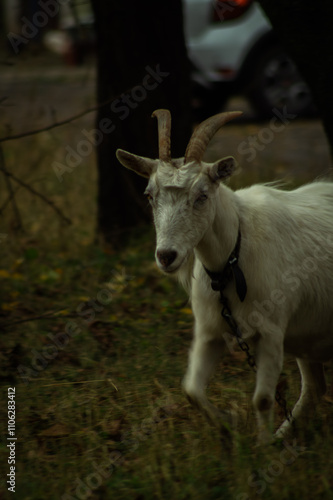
(186, 310)
(56, 430)
(63, 312)
(9, 306)
(17, 276)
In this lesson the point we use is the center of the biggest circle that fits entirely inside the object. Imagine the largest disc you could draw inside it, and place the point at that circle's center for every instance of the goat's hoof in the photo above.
(193, 401)
(285, 429)
(224, 421)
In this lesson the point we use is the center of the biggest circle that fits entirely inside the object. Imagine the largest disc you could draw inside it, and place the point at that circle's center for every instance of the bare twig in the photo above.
(8, 200)
(56, 124)
(52, 314)
(37, 193)
(10, 189)
(81, 382)
(49, 315)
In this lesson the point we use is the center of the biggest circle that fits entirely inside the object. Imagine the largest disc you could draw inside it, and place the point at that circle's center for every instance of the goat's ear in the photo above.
(222, 169)
(139, 164)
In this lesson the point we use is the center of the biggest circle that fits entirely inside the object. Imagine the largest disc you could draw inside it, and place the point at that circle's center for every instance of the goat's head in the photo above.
(182, 191)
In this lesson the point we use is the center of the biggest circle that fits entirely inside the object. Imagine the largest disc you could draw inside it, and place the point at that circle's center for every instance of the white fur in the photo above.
(287, 259)
(286, 256)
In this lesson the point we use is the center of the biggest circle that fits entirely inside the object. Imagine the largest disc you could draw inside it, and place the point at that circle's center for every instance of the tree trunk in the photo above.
(142, 66)
(305, 29)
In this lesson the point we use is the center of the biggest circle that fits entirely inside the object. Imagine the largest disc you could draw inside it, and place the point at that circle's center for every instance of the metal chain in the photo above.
(249, 357)
(283, 404)
(226, 314)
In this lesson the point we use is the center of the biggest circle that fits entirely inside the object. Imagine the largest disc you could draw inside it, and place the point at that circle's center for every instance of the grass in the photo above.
(100, 413)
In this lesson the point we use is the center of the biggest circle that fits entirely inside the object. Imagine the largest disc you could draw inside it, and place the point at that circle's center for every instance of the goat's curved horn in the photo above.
(164, 130)
(203, 134)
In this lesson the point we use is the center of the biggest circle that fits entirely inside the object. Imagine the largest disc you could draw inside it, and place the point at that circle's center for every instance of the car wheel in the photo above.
(277, 84)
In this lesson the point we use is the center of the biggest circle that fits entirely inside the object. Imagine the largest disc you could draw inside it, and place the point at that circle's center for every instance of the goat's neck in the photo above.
(221, 237)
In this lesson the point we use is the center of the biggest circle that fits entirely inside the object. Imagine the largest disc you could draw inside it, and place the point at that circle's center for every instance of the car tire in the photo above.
(277, 85)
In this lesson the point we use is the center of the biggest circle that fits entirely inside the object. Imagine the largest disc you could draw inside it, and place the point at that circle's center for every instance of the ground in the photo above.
(95, 342)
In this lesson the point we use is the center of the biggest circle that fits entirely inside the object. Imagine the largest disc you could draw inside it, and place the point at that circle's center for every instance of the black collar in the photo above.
(222, 278)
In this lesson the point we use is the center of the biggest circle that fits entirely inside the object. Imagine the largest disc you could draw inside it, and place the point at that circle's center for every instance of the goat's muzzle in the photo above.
(166, 258)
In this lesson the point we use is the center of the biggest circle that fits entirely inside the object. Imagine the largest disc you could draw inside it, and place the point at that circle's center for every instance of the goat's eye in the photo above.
(148, 196)
(201, 199)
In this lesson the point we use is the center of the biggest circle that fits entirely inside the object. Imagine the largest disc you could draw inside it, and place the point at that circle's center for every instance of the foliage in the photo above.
(115, 387)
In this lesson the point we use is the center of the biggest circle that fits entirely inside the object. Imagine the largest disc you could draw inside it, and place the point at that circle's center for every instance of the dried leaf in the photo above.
(9, 306)
(56, 430)
(186, 310)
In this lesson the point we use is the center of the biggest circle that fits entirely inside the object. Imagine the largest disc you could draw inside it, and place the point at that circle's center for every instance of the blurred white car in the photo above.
(233, 49)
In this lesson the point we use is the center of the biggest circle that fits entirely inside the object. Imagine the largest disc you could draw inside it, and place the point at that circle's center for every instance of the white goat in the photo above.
(285, 254)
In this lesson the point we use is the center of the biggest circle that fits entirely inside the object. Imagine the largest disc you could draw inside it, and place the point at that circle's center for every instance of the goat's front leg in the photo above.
(204, 356)
(269, 360)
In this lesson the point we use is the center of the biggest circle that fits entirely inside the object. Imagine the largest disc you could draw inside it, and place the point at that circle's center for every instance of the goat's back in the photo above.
(287, 258)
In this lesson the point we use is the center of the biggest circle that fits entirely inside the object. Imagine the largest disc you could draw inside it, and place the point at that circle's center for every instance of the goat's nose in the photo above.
(166, 257)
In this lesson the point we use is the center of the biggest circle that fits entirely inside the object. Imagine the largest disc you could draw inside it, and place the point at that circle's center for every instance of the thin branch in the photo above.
(49, 315)
(63, 122)
(10, 189)
(80, 382)
(56, 124)
(8, 200)
(37, 193)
